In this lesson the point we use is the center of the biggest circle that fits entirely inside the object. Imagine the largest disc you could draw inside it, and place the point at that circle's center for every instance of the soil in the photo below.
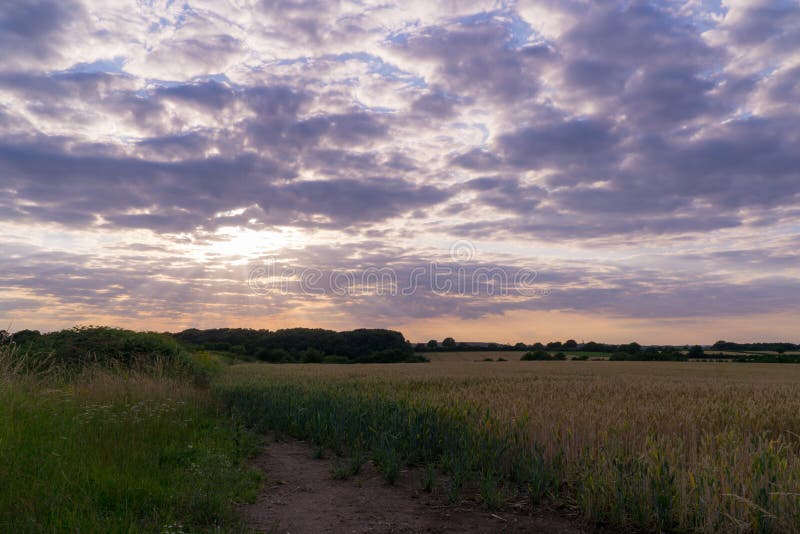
(301, 496)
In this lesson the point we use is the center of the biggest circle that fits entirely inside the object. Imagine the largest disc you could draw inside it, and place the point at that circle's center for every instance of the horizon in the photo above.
(580, 342)
(512, 171)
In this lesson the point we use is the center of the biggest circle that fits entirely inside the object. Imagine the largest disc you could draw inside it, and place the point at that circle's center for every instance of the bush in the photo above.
(390, 356)
(273, 355)
(696, 352)
(312, 355)
(78, 347)
(536, 355)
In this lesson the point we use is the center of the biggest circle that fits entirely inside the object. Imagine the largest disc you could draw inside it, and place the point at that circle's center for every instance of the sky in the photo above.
(491, 171)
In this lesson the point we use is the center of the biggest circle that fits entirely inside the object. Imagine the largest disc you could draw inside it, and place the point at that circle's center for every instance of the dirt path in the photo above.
(302, 497)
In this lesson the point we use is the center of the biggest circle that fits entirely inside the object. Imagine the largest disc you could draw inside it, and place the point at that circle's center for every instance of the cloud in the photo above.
(32, 31)
(475, 60)
(561, 126)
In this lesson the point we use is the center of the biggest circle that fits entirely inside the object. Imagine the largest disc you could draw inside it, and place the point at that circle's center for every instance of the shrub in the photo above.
(78, 347)
(536, 355)
(312, 355)
(696, 352)
(273, 355)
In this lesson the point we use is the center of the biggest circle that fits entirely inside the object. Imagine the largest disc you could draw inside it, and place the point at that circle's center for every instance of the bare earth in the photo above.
(301, 496)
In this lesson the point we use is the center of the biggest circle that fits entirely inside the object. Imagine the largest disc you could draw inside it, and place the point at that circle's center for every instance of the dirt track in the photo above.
(301, 496)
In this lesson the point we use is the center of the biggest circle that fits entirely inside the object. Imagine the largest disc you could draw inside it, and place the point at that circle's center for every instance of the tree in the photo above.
(449, 343)
(554, 345)
(312, 355)
(570, 344)
(24, 336)
(537, 346)
(520, 346)
(631, 348)
(433, 344)
(696, 352)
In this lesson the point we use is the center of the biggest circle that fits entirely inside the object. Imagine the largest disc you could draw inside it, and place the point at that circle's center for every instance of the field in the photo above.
(707, 447)
(147, 436)
(117, 450)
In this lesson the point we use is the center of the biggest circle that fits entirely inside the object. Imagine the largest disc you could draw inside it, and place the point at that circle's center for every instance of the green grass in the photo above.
(117, 451)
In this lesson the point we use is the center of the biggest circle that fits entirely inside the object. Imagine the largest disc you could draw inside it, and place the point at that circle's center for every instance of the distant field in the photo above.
(470, 356)
(700, 446)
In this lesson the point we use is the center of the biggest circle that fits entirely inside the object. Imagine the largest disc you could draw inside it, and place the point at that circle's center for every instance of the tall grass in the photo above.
(666, 447)
(115, 450)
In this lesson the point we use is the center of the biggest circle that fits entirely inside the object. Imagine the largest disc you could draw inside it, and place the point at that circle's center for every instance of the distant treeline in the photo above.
(316, 345)
(309, 345)
(451, 345)
(557, 350)
(764, 347)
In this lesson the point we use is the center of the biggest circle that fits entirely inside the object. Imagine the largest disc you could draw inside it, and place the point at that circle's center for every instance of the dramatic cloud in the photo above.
(641, 157)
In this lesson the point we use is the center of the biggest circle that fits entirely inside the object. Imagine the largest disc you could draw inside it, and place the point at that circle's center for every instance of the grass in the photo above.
(664, 446)
(115, 450)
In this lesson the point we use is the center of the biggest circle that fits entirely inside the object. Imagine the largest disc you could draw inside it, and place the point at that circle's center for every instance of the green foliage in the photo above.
(490, 490)
(312, 355)
(696, 352)
(119, 456)
(308, 345)
(76, 348)
(649, 355)
(770, 347)
(273, 355)
(428, 478)
(536, 355)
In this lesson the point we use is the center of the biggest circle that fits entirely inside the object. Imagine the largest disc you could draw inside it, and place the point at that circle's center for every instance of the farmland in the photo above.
(660, 446)
(112, 430)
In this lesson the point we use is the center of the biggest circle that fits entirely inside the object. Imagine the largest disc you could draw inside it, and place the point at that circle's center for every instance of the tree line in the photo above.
(307, 345)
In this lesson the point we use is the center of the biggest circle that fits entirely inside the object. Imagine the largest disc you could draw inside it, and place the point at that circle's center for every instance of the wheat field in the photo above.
(704, 447)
